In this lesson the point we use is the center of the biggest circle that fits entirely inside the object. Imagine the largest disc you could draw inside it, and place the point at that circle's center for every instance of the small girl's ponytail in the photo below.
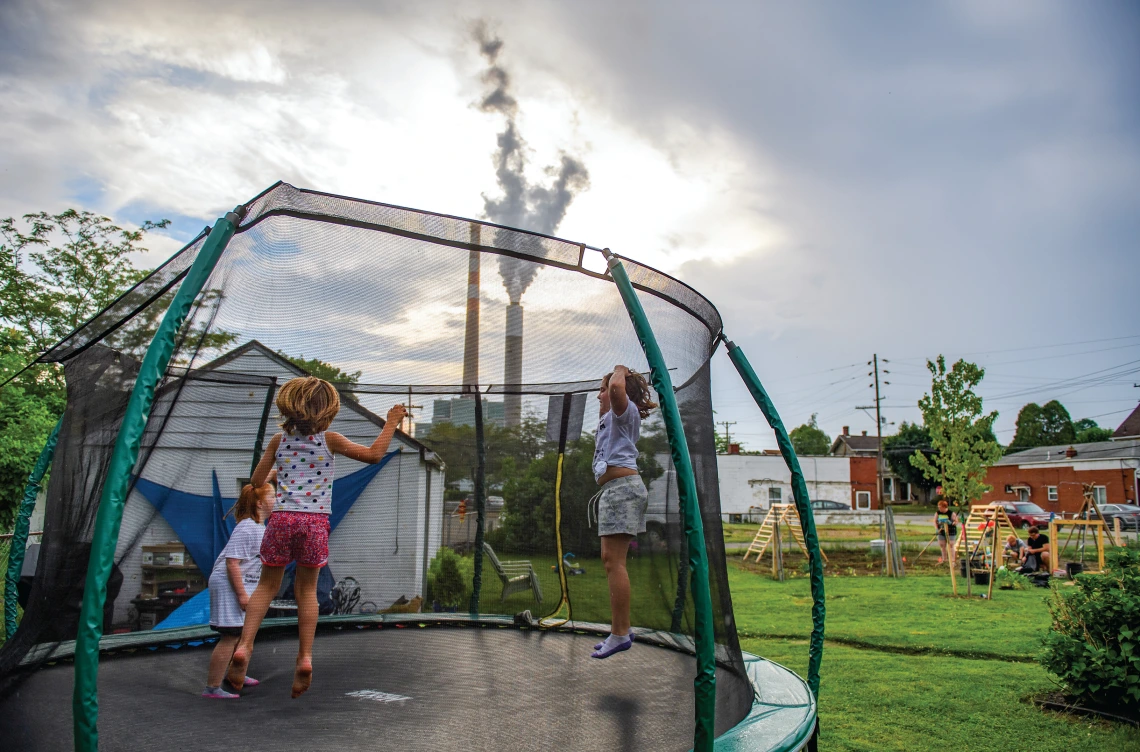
(246, 506)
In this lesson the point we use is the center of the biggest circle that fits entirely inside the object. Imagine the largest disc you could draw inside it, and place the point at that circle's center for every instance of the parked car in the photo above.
(826, 505)
(1024, 514)
(1128, 514)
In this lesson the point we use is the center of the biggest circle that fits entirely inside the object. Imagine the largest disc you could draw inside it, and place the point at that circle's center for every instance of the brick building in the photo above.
(863, 450)
(1054, 477)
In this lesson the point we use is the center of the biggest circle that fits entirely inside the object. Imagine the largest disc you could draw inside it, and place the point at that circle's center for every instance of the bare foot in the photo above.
(239, 663)
(302, 676)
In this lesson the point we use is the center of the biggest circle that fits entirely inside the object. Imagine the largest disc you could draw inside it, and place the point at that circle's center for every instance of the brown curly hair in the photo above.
(637, 389)
(307, 404)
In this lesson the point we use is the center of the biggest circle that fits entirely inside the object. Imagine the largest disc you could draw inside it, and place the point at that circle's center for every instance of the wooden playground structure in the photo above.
(781, 522)
(1089, 523)
(993, 526)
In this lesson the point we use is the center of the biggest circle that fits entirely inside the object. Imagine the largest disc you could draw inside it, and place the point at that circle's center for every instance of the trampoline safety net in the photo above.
(456, 319)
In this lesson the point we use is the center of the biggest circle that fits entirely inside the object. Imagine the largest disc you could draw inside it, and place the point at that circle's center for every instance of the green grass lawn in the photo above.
(870, 700)
(894, 676)
(913, 613)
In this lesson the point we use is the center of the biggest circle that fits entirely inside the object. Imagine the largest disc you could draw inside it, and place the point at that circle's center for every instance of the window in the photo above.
(1100, 494)
(735, 519)
(862, 499)
(1051, 493)
(775, 495)
(889, 488)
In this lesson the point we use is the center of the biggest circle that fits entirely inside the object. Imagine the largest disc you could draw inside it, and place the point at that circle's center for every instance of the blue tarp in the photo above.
(201, 524)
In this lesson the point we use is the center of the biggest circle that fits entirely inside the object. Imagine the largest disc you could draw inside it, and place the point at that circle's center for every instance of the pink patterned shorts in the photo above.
(302, 537)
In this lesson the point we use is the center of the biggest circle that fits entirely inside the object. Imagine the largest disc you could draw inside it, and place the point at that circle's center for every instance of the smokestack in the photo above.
(512, 363)
(540, 208)
(471, 335)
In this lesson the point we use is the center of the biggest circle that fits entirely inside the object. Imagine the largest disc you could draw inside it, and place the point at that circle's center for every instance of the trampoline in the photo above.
(170, 394)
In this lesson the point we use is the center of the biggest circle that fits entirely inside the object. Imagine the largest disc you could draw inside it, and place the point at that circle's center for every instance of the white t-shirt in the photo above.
(245, 546)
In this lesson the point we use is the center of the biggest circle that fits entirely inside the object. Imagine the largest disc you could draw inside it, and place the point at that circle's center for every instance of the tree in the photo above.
(897, 449)
(28, 410)
(79, 262)
(1042, 425)
(56, 272)
(322, 370)
(810, 438)
(1088, 431)
(960, 434)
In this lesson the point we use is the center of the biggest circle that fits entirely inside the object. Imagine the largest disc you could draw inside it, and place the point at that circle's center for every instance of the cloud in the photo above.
(908, 179)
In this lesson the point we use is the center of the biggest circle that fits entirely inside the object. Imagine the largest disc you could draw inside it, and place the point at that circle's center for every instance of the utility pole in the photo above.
(879, 427)
(726, 424)
(874, 361)
(409, 417)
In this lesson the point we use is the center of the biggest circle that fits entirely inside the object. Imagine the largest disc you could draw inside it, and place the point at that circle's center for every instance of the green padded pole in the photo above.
(803, 507)
(705, 683)
(85, 698)
(20, 533)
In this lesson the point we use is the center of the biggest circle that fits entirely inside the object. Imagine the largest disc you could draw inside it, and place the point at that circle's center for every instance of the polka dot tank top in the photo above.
(304, 474)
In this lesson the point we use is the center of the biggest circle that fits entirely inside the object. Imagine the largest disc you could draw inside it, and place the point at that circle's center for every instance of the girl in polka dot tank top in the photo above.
(298, 530)
(304, 473)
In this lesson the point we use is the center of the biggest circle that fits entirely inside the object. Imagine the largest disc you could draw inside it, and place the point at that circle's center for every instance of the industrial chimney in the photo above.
(471, 335)
(513, 358)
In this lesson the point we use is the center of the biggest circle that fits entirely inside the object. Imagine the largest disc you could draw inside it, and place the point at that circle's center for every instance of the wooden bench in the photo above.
(516, 576)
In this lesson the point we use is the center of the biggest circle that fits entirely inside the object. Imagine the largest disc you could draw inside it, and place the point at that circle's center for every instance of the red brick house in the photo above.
(863, 450)
(1054, 477)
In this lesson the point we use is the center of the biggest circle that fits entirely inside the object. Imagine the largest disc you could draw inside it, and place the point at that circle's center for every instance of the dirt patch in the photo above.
(840, 563)
(1059, 702)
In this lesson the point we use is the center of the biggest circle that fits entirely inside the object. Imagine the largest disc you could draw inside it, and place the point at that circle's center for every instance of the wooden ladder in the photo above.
(992, 524)
(783, 514)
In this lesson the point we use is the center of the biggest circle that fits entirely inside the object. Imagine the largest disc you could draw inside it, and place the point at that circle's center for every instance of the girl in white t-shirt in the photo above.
(233, 578)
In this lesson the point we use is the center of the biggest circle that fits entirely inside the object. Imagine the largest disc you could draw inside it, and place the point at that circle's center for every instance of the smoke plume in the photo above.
(537, 208)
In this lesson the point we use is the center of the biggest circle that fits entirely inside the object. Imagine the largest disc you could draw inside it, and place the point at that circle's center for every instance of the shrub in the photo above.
(449, 576)
(1094, 640)
(1008, 579)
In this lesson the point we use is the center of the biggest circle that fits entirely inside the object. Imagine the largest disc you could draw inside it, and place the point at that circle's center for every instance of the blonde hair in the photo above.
(307, 404)
(637, 389)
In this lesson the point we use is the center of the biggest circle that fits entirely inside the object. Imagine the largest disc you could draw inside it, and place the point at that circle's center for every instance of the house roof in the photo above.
(1130, 428)
(1095, 450)
(255, 346)
(856, 444)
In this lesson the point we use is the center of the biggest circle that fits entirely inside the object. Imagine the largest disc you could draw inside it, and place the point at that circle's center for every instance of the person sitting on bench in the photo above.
(1038, 552)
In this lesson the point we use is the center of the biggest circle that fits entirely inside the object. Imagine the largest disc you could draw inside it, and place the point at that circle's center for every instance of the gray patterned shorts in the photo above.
(621, 506)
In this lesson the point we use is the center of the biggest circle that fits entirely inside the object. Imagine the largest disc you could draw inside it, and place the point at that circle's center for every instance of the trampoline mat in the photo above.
(382, 689)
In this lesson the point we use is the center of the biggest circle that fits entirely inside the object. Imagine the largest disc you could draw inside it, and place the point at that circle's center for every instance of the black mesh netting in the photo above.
(378, 299)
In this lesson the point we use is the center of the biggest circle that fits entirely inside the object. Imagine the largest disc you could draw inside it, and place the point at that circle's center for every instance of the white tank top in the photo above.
(304, 474)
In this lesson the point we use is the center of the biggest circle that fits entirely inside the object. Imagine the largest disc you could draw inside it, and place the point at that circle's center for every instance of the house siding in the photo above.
(212, 428)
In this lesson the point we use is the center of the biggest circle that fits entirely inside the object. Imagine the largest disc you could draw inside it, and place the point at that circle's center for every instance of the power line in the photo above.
(1035, 347)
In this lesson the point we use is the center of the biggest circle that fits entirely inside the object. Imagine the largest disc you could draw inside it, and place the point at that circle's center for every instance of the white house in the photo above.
(209, 429)
(749, 481)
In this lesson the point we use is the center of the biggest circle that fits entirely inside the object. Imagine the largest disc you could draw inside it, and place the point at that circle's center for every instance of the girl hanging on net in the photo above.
(234, 576)
(624, 402)
(303, 455)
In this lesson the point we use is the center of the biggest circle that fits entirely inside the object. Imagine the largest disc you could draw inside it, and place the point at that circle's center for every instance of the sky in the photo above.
(840, 180)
